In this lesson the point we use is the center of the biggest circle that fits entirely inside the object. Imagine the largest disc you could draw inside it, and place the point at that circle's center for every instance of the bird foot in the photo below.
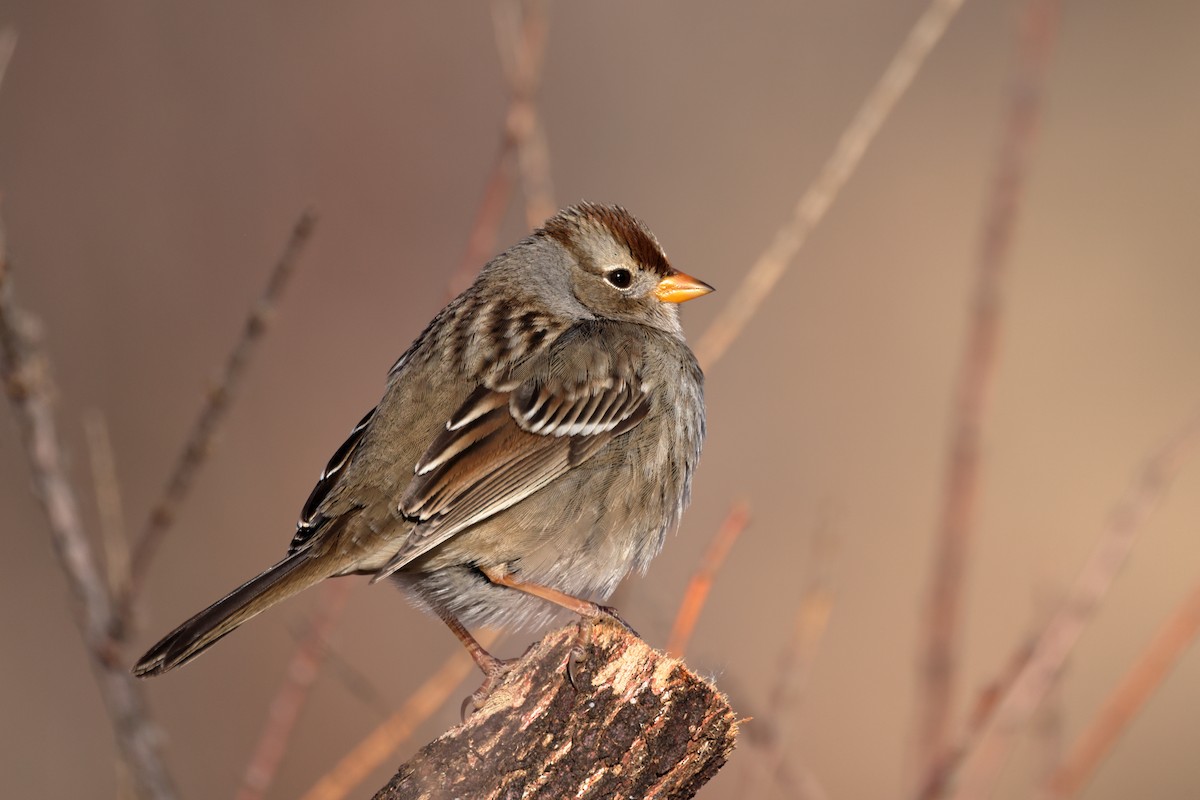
(495, 672)
(583, 638)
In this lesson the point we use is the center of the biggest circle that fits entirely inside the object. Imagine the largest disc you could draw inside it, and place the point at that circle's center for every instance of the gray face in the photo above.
(612, 284)
(591, 262)
(616, 265)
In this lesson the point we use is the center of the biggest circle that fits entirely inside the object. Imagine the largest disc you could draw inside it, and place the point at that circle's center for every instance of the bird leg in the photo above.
(588, 610)
(494, 669)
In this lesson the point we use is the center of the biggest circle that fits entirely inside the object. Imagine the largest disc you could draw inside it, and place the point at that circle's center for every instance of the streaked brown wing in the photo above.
(502, 446)
(311, 520)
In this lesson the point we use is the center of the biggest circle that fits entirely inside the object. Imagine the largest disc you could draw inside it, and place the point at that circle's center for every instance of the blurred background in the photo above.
(153, 158)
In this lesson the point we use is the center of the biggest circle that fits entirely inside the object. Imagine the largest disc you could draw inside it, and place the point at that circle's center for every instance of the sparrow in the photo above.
(534, 445)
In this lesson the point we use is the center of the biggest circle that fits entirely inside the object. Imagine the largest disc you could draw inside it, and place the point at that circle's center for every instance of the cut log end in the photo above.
(641, 725)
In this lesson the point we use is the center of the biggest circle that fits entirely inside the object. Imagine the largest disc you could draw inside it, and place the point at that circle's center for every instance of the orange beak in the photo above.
(679, 288)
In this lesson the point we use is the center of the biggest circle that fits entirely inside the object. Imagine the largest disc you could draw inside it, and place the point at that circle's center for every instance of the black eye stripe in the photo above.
(620, 278)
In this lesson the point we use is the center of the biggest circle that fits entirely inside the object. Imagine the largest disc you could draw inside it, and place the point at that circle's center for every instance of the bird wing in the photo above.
(311, 520)
(504, 444)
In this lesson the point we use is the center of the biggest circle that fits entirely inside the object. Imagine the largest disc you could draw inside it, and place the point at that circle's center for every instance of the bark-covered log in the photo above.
(640, 726)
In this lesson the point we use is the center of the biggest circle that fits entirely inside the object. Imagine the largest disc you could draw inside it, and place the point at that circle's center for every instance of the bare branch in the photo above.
(202, 437)
(521, 44)
(481, 242)
(809, 625)
(1049, 721)
(798, 783)
(520, 27)
(987, 756)
(935, 782)
(776, 259)
(1173, 639)
(701, 581)
(941, 625)
(25, 372)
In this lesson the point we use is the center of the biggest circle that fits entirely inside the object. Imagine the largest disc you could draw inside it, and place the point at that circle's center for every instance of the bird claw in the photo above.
(579, 650)
(612, 614)
(469, 707)
(495, 675)
(578, 653)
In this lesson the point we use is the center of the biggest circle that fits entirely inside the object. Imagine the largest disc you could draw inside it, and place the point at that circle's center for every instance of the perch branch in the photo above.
(855, 140)
(25, 372)
(641, 725)
(941, 625)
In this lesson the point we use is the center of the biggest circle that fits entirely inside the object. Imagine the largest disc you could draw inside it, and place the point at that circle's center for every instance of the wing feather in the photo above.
(501, 446)
(310, 518)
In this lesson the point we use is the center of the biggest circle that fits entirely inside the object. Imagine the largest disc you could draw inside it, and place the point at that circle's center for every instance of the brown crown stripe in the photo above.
(623, 226)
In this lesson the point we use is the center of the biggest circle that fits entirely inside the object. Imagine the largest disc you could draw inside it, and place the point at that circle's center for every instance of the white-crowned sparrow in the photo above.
(535, 443)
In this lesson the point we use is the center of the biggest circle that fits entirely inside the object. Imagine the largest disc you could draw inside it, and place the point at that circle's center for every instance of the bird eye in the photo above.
(620, 278)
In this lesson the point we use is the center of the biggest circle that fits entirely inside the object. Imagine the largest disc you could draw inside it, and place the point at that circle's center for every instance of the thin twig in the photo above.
(202, 437)
(941, 626)
(935, 782)
(108, 503)
(521, 27)
(798, 782)
(1049, 720)
(292, 693)
(481, 242)
(776, 259)
(809, 625)
(354, 681)
(1173, 639)
(701, 581)
(982, 765)
(25, 372)
(379, 745)
(521, 44)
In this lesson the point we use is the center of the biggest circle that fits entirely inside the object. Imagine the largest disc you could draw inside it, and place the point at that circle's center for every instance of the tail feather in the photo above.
(295, 573)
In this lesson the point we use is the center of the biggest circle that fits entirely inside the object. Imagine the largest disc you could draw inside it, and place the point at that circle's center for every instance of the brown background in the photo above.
(153, 157)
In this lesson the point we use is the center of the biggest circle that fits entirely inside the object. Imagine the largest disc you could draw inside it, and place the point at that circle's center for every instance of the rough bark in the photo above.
(641, 726)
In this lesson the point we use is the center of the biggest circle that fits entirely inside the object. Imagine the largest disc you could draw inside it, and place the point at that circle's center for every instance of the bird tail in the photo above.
(295, 573)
